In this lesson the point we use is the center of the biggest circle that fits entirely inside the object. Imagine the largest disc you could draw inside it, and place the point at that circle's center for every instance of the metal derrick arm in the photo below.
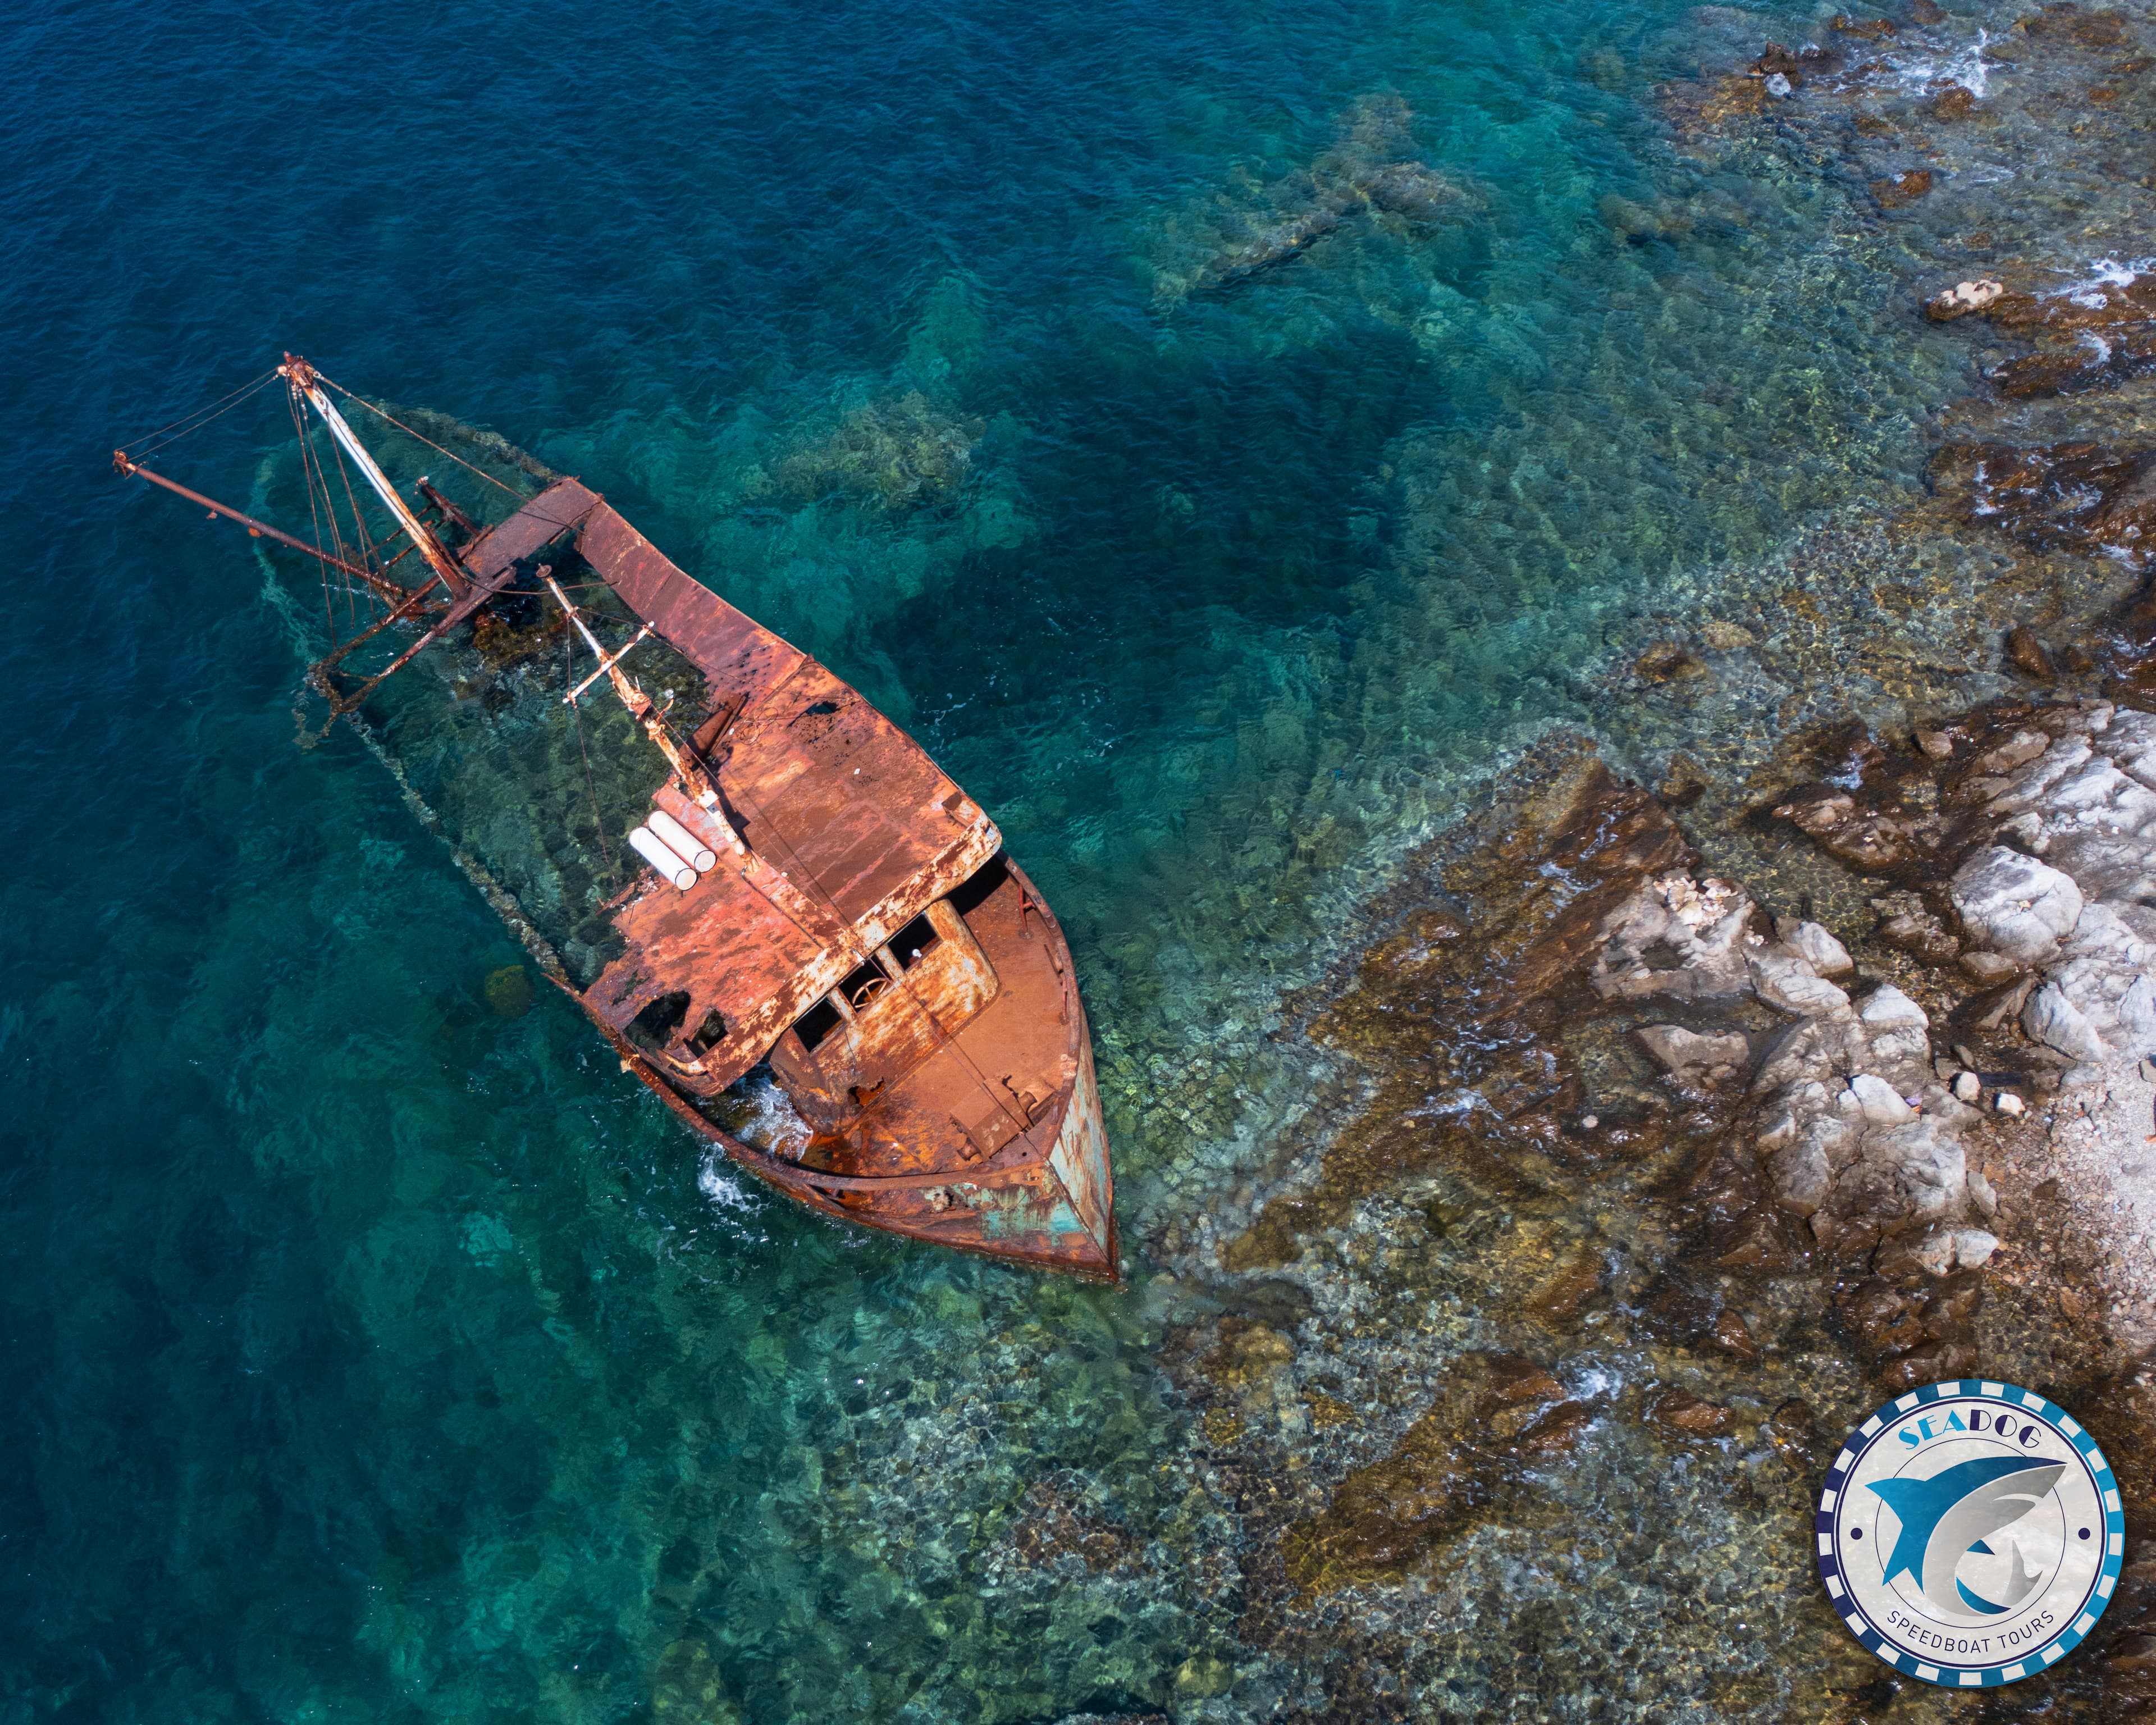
(306, 384)
(380, 583)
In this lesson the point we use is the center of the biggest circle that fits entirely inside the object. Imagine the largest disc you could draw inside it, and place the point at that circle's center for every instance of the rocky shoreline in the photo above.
(1677, 1122)
(1693, 1145)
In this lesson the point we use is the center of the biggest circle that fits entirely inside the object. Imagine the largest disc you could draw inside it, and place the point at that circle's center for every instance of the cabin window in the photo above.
(656, 1025)
(912, 942)
(710, 1034)
(865, 984)
(970, 897)
(814, 1026)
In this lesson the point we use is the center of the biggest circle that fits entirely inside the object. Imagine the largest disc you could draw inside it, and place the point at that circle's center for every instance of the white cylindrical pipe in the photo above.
(693, 851)
(649, 845)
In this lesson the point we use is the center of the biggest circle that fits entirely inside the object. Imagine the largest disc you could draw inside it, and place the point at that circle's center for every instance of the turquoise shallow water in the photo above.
(373, 1354)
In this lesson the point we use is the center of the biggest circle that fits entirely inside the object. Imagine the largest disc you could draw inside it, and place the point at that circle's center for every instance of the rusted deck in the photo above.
(912, 992)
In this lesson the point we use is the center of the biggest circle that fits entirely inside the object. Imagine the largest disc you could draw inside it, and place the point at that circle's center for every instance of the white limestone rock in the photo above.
(1888, 1008)
(1798, 1057)
(1827, 956)
(2050, 1018)
(1897, 1027)
(1786, 983)
(2027, 787)
(1802, 1175)
(1973, 1247)
(1880, 1103)
(2137, 1010)
(2015, 904)
(1964, 297)
(1929, 1167)
(1945, 1250)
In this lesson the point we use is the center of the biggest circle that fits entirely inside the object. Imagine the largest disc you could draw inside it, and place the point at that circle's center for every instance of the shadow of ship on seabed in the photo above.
(1368, 174)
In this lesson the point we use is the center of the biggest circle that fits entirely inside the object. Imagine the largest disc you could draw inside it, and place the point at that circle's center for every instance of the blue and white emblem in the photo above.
(1970, 1534)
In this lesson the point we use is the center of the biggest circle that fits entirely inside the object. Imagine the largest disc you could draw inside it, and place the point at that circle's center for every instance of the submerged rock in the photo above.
(1368, 174)
(1795, 1434)
(509, 991)
(2069, 22)
(1497, 1415)
(1692, 1416)
(1708, 1059)
(1902, 188)
(2026, 654)
(899, 452)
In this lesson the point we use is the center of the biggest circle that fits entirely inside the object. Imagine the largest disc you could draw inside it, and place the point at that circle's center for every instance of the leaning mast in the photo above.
(307, 382)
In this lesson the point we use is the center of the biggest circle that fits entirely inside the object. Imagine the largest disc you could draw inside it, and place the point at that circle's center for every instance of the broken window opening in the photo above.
(912, 942)
(816, 1024)
(865, 984)
(971, 897)
(709, 1033)
(654, 1026)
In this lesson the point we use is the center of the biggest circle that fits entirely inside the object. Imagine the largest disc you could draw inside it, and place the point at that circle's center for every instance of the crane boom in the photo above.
(306, 381)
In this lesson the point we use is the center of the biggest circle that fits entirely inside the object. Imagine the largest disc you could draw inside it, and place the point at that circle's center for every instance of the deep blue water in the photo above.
(370, 1354)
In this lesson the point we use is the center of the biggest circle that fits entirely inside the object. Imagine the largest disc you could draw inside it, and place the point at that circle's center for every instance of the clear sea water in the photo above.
(372, 1354)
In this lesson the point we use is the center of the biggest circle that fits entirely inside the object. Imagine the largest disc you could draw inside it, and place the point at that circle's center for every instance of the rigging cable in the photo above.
(429, 441)
(223, 404)
(358, 521)
(318, 476)
(306, 463)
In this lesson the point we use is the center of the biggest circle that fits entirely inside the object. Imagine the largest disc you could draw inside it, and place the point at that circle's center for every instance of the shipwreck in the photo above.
(791, 925)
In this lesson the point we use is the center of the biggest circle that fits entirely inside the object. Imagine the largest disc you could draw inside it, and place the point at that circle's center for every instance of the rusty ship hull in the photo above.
(811, 905)
(908, 986)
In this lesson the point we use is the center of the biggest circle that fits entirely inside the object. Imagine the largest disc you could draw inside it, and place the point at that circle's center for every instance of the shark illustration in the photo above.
(1945, 1518)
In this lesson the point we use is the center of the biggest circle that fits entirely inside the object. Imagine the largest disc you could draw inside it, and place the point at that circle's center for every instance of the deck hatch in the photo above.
(985, 1120)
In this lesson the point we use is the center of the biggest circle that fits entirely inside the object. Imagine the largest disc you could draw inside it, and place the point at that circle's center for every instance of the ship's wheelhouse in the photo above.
(913, 994)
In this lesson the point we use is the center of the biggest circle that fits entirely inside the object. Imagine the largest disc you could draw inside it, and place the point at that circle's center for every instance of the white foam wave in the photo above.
(1965, 66)
(2105, 274)
(774, 1125)
(720, 1184)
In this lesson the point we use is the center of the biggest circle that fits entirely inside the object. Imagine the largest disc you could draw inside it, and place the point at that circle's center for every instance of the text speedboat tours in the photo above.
(1970, 1534)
